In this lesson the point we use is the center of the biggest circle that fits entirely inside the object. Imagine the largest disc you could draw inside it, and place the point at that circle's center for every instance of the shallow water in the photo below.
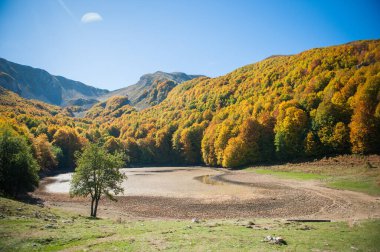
(60, 184)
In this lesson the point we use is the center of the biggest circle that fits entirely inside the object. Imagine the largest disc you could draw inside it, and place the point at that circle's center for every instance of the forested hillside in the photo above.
(51, 132)
(323, 101)
(319, 102)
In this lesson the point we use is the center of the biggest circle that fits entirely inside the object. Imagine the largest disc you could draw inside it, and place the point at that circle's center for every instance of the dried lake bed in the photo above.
(186, 192)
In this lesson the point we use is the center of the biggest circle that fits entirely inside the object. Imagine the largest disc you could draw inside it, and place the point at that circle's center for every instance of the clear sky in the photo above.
(111, 43)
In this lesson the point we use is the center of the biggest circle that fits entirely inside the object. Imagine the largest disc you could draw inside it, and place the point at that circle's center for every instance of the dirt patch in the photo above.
(253, 195)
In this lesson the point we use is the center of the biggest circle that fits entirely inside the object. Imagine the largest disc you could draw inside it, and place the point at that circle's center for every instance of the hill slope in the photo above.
(319, 102)
(34, 83)
(151, 89)
(16, 105)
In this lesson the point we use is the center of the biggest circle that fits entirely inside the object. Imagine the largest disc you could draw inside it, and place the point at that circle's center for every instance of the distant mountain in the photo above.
(34, 83)
(151, 89)
(11, 103)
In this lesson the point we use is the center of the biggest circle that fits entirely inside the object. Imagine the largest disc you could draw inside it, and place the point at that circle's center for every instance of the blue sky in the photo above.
(111, 43)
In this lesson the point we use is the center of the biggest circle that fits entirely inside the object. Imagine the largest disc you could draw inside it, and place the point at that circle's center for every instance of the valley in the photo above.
(190, 125)
(289, 137)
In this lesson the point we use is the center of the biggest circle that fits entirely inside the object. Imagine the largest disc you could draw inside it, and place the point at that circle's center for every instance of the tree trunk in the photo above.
(92, 206)
(96, 207)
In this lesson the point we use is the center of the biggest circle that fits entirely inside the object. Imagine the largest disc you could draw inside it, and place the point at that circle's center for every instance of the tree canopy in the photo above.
(18, 167)
(97, 174)
(323, 101)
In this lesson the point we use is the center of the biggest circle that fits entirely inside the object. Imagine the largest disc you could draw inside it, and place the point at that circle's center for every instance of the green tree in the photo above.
(18, 168)
(97, 174)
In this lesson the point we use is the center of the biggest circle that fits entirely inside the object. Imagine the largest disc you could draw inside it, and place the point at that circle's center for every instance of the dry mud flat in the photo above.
(199, 192)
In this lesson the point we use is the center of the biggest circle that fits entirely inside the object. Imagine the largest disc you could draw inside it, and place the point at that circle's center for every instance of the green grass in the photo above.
(360, 184)
(357, 177)
(21, 229)
(289, 174)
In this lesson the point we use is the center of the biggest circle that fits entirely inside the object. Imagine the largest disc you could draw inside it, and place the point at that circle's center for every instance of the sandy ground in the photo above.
(189, 192)
(176, 182)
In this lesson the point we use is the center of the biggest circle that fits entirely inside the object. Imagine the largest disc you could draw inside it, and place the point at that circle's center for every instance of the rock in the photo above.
(251, 223)
(19, 209)
(51, 226)
(275, 240)
(280, 241)
(267, 238)
(195, 220)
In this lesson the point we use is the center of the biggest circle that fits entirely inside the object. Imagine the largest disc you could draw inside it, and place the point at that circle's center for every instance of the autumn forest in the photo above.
(321, 102)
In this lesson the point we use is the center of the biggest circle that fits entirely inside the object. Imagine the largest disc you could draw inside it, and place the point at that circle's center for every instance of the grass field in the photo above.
(26, 227)
(345, 173)
(290, 175)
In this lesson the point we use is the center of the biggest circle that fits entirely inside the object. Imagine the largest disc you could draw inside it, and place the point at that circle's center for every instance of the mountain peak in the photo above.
(144, 93)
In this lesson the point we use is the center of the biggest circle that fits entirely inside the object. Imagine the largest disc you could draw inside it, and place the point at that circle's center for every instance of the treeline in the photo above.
(320, 102)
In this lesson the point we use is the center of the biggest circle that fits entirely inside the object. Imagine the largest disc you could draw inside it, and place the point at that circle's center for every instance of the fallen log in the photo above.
(303, 220)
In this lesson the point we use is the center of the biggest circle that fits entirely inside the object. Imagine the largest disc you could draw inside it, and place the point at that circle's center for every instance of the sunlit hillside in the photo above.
(319, 102)
(323, 101)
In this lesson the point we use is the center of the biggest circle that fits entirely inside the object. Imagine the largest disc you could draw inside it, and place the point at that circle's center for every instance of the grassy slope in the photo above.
(353, 174)
(26, 228)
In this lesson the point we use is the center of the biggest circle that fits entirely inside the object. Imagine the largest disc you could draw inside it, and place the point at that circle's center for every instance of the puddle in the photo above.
(207, 179)
(159, 171)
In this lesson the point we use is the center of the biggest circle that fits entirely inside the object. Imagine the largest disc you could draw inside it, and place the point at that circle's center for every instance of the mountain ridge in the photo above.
(151, 89)
(36, 83)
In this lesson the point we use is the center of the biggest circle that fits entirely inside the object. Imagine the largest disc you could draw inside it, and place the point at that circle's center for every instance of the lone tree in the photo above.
(97, 174)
